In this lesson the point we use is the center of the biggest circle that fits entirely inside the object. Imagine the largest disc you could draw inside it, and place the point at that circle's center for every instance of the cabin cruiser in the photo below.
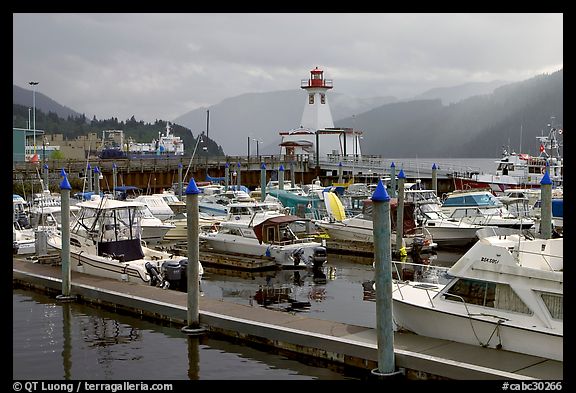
(505, 292)
(286, 238)
(105, 240)
(514, 170)
(446, 231)
(481, 207)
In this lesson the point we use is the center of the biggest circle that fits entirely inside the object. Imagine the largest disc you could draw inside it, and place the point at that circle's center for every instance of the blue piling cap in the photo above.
(380, 194)
(281, 167)
(45, 166)
(546, 178)
(227, 165)
(238, 164)
(62, 172)
(89, 167)
(340, 163)
(434, 166)
(392, 165)
(179, 165)
(114, 165)
(96, 169)
(263, 166)
(192, 189)
(65, 184)
(401, 175)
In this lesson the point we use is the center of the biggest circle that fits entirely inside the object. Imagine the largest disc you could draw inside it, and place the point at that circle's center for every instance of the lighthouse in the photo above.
(317, 137)
(316, 115)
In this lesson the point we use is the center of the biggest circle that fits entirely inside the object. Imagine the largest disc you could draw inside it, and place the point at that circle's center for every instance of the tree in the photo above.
(56, 155)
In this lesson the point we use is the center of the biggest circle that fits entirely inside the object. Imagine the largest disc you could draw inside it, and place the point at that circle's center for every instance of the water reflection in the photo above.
(74, 341)
(67, 340)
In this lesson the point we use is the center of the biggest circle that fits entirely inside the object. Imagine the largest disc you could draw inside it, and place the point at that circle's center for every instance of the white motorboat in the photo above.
(157, 205)
(274, 236)
(515, 170)
(153, 229)
(180, 222)
(216, 203)
(105, 240)
(445, 231)
(505, 292)
(481, 207)
(360, 228)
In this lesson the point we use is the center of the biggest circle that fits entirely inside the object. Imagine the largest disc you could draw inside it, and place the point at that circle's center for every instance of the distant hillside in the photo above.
(24, 97)
(475, 127)
(454, 94)
(262, 116)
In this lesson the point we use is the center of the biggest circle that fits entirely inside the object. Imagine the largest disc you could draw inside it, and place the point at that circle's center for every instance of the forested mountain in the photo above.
(475, 127)
(46, 104)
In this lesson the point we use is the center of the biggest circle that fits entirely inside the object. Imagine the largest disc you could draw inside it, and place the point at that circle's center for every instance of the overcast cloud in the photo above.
(160, 66)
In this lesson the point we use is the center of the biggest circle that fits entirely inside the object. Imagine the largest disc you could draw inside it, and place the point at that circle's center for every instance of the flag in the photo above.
(541, 148)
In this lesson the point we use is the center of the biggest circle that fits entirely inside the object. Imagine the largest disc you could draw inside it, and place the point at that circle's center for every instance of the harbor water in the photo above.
(62, 341)
(69, 341)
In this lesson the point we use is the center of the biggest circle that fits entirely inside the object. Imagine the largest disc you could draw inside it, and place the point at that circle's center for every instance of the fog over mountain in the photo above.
(479, 126)
(262, 116)
(25, 97)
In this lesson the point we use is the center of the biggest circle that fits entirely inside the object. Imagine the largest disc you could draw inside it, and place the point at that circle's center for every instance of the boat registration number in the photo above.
(489, 260)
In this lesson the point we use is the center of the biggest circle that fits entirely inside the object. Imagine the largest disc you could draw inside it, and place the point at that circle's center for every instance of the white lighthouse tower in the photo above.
(316, 114)
(317, 136)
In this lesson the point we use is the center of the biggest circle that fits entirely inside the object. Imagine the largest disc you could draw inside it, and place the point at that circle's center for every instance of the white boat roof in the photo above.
(52, 209)
(106, 204)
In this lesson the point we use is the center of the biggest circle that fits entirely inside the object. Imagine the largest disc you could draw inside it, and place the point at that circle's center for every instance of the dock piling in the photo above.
(546, 207)
(65, 231)
(193, 284)
(400, 212)
(383, 281)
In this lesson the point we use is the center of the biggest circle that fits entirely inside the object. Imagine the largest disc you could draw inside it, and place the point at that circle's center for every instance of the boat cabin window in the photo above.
(487, 294)
(555, 305)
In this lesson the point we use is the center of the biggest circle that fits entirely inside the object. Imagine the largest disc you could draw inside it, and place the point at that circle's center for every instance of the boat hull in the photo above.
(421, 318)
(282, 254)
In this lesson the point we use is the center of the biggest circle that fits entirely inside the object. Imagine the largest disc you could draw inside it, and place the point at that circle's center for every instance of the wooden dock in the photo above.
(236, 261)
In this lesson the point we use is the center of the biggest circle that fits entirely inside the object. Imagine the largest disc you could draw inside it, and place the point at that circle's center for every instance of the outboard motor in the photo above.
(172, 271)
(184, 272)
(320, 256)
(155, 278)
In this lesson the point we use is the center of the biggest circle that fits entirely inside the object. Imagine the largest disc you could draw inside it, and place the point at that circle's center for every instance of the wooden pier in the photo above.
(156, 174)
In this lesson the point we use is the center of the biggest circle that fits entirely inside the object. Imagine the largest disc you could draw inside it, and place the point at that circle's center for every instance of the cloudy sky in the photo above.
(160, 66)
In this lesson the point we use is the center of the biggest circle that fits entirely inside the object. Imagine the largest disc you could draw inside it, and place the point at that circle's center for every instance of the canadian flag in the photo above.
(541, 148)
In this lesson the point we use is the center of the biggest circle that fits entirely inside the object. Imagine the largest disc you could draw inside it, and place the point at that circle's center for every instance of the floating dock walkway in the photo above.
(333, 342)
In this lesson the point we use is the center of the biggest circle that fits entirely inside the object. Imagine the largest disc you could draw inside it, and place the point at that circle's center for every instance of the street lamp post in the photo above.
(33, 84)
(257, 148)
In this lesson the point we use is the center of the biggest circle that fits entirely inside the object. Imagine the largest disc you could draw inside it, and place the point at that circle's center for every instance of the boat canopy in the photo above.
(273, 221)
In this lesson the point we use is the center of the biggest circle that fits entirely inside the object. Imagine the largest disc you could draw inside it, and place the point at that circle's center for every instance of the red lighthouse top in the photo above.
(316, 80)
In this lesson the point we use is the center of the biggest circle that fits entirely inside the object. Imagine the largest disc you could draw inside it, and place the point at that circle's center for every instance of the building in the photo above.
(317, 136)
(25, 144)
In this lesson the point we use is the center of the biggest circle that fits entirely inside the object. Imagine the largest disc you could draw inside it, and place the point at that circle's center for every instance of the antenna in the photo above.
(520, 138)
(207, 121)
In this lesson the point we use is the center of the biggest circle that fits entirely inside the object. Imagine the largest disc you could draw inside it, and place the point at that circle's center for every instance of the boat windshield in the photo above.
(480, 200)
